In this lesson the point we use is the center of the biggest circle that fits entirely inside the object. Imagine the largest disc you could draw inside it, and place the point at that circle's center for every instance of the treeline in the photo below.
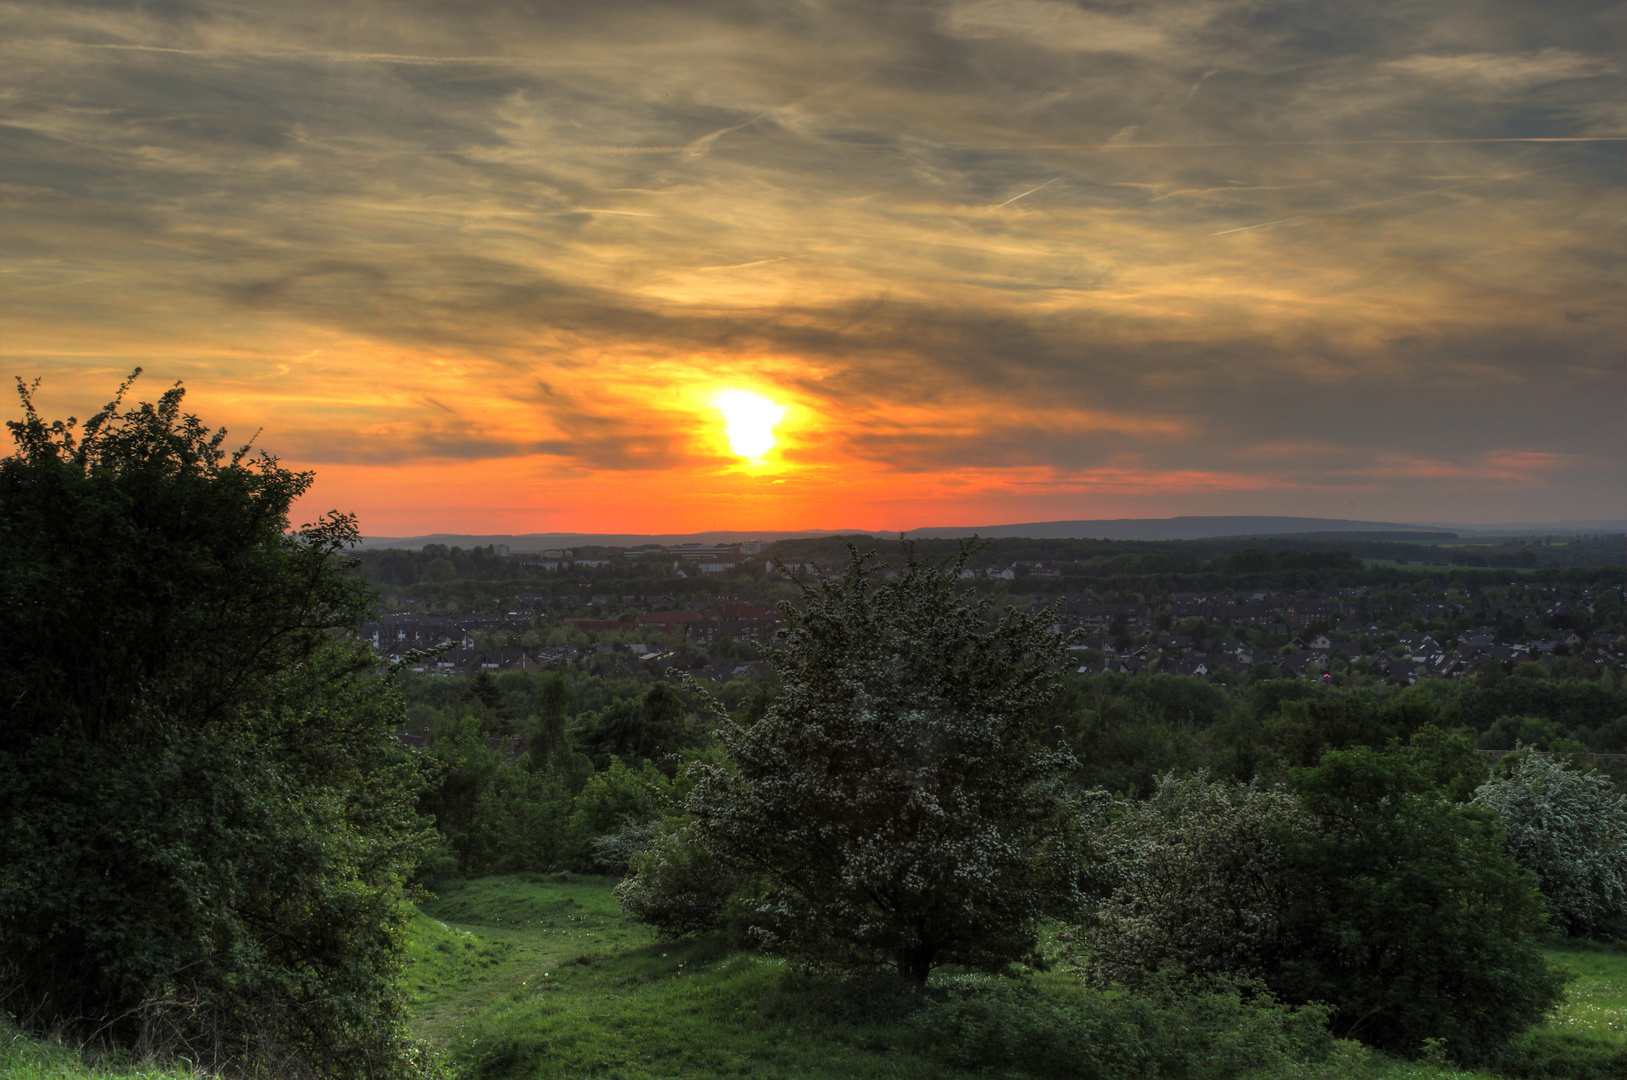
(501, 809)
(1144, 568)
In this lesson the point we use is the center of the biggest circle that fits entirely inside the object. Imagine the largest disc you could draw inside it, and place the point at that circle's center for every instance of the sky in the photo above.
(494, 267)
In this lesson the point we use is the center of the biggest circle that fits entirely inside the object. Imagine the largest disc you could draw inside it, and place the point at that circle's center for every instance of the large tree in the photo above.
(901, 803)
(205, 820)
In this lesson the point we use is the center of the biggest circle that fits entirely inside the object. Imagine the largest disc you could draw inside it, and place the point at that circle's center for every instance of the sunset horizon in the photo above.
(490, 271)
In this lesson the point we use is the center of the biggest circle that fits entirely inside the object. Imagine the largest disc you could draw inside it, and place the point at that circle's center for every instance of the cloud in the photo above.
(964, 239)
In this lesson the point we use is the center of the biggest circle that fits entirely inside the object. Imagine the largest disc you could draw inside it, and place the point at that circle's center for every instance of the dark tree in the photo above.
(902, 799)
(1407, 915)
(205, 821)
(643, 729)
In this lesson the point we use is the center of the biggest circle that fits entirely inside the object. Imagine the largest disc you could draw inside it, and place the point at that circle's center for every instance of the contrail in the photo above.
(1030, 191)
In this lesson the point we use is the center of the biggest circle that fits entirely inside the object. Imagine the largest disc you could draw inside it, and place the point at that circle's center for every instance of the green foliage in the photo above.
(543, 978)
(677, 886)
(205, 818)
(547, 736)
(650, 728)
(1196, 876)
(1371, 891)
(25, 1057)
(1570, 829)
(622, 802)
(1253, 561)
(899, 800)
(1174, 1027)
(1569, 703)
(1407, 915)
(493, 815)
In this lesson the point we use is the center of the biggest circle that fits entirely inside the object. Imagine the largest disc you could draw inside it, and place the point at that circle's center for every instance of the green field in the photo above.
(541, 977)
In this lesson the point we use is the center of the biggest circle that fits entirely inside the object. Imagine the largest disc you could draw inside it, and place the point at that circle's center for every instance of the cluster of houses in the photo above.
(1328, 629)
(1301, 635)
(448, 646)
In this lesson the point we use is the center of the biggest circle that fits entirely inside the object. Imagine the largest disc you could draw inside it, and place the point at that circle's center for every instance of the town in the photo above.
(704, 610)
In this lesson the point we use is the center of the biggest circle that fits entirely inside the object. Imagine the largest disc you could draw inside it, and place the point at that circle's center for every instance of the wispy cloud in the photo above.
(1036, 258)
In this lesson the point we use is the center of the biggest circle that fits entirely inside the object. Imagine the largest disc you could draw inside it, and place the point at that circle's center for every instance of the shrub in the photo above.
(1570, 829)
(677, 886)
(1370, 891)
(1407, 914)
(619, 798)
(1195, 876)
(1172, 1027)
(205, 818)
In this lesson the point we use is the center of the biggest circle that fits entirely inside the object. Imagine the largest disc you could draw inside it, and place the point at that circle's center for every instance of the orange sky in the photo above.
(485, 270)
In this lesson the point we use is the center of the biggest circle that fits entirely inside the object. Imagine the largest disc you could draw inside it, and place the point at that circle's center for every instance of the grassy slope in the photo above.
(534, 977)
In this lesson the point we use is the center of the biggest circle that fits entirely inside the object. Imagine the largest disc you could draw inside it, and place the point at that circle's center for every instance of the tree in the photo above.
(1408, 916)
(206, 822)
(1196, 875)
(649, 728)
(1367, 889)
(548, 743)
(493, 816)
(900, 801)
(1568, 827)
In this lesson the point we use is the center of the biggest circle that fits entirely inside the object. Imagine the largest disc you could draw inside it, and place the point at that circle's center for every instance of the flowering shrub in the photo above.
(1570, 829)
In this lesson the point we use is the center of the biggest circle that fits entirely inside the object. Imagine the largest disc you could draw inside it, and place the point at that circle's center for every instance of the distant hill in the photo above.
(1176, 528)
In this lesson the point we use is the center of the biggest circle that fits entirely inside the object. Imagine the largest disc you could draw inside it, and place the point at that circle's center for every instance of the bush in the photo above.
(1195, 876)
(206, 821)
(1370, 891)
(1172, 1027)
(1570, 829)
(1408, 916)
(677, 886)
(620, 798)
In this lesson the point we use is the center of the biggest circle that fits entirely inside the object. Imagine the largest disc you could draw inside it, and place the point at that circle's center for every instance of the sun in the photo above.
(748, 422)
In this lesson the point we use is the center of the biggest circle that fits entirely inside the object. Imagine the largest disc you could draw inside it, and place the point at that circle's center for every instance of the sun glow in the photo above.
(748, 422)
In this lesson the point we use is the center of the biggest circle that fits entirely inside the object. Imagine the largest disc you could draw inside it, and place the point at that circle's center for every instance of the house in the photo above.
(593, 626)
(675, 623)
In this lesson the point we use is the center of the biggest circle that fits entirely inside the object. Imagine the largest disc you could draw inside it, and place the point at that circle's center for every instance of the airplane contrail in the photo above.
(1030, 191)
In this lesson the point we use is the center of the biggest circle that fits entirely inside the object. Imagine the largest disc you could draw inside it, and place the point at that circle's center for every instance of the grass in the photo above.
(540, 977)
(24, 1057)
(1596, 1000)
(545, 977)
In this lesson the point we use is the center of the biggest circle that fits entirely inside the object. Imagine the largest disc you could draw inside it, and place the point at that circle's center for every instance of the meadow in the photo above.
(542, 976)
